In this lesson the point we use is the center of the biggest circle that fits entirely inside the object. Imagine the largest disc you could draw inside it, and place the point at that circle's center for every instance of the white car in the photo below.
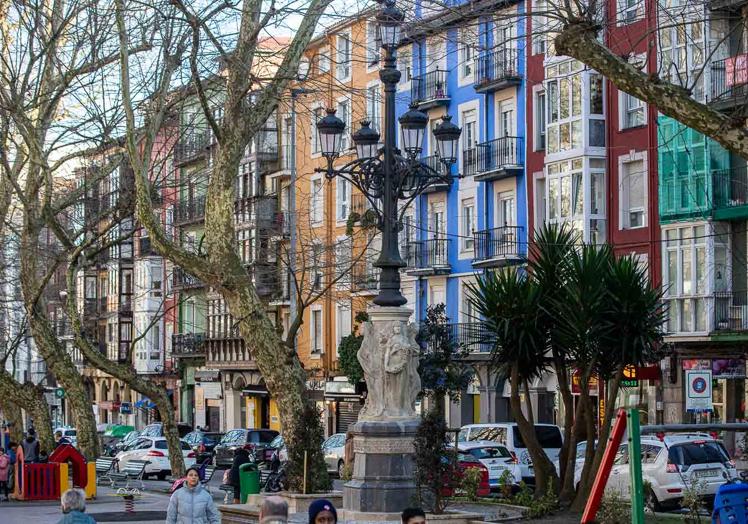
(68, 433)
(154, 450)
(670, 466)
(497, 460)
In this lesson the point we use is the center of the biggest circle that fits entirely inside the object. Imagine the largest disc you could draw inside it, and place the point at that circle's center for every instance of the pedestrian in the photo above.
(413, 516)
(4, 472)
(60, 440)
(30, 447)
(274, 510)
(73, 503)
(241, 457)
(322, 511)
(192, 504)
(12, 447)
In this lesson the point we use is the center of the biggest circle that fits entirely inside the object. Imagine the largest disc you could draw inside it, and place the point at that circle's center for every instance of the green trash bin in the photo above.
(249, 480)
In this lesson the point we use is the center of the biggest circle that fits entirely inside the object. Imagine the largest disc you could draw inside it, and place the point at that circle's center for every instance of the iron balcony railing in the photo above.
(470, 336)
(188, 344)
(260, 210)
(180, 279)
(730, 187)
(499, 153)
(731, 311)
(499, 242)
(730, 79)
(365, 277)
(435, 163)
(191, 210)
(425, 254)
(469, 161)
(429, 87)
(497, 66)
(192, 145)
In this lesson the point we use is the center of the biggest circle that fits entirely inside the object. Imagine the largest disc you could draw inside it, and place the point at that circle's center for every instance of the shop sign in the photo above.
(721, 368)
(699, 390)
(576, 380)
(105, 404)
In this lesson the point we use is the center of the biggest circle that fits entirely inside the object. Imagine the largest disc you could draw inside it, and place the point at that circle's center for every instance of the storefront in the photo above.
(208, 396)
(727, 389)
(343, 402)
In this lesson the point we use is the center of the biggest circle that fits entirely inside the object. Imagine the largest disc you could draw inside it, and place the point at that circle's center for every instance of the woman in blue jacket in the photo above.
(192, 504)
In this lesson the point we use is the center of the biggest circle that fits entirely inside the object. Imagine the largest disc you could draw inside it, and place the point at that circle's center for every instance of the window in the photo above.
(467, 309)
(469, 141)
(436, 220)
(629, 11)
(506, 119)
(373, 108)
(317, 266)
(506, 214)
(633, 111)
(157, 277)
(633, 194)
(304, 67)
(405, 65)
(156, 337)
(540, 202)
(681, 40)
(540, 23)
(342, 323)
(323, 60)
(344, 113)
(342, 197)
(372, 45)
(317, 115)
(468, 41)
(539, 120)
(315, 334)
(343, 58)
(468, 224)
(317, 198)
(343, 259)
(685, 277)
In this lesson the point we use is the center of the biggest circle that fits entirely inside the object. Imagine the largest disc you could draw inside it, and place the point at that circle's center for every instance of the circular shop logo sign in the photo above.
(699, 385)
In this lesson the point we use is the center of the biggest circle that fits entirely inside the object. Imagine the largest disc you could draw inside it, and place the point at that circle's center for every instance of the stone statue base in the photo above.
(383, 480)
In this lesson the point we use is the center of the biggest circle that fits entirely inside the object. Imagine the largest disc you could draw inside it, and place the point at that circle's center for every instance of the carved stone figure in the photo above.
(370, 359)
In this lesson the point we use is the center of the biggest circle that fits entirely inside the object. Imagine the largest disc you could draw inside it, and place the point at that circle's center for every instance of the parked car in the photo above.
(203, 443)
(127, 441)
(279, 445)
(253, 440)
(156, 451)
(465, 461)
(334, 450)
(670, 466)
(497, 460)
(68, 433)
(157, 430)
(507, 434)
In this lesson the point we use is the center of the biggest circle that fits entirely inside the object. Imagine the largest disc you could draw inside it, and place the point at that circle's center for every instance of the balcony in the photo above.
(187, 345)
(500, 158)
(729, 87)
(731, 311)
(190, 210)
(267, 145)
(437, 165)
(470, 161)
(261, 210)
(728, 5)
(63, 328)
(497, 70)
(365, 279)
(470, 336)
(191, 146)
(266, 279)
(228, 352)
(428, 257)
(429, 90)
(497, 247)
(730, 193)
(180, 279)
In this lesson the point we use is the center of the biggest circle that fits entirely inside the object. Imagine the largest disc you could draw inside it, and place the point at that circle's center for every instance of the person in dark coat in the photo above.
(241, 457)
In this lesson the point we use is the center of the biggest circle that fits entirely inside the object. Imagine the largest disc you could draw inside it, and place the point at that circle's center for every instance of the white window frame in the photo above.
(462, 111)
(405, 65)
(373, 101)
(342, 199)
(540, 25)
(467, 49)
(467, 224)
(316, 146)
(625, 113)
(373, 50)
(343, 56)
(623, 206)
(313, 335)
(629, 14)
(323, 60)
(346, 141)
(316, 200)
(540, 200)
(539, 118)
(343, 323)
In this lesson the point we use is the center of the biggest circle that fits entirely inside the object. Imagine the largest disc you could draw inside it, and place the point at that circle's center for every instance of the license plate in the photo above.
(706, 473)
(497, 468)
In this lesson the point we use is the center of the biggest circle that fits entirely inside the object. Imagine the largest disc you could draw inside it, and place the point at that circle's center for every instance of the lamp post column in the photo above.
(389, 259)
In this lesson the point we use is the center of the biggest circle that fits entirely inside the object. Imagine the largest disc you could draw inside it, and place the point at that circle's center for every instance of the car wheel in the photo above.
(341, 469)
(652, 503)
(161, 475)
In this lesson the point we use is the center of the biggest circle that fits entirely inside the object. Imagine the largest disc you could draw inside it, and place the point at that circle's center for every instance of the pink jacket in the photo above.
(4, 468)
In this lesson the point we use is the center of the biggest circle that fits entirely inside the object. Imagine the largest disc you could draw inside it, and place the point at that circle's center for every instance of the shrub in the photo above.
(613, 509)
(432, 461)
(470, 482)
(506, 484)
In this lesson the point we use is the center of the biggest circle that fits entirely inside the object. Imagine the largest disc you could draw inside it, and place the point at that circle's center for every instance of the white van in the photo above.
(507, 434)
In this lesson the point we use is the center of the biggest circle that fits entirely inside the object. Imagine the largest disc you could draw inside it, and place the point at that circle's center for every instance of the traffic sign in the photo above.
(60, 393)
(699, 390)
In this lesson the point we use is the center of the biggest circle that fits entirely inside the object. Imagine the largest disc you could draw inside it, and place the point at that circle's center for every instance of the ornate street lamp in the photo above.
(389, 179)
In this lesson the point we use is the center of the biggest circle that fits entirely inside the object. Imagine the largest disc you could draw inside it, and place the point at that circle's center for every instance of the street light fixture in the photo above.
(388, 179)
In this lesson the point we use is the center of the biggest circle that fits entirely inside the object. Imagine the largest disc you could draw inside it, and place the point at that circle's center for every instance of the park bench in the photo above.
(209, 471)
(134, 470)
(104, 469)
(228, 489)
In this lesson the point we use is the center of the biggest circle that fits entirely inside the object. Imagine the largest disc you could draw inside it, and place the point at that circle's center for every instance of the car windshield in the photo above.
(277, 442)
(548, 437)
(263, 437)
(70, 433)
(211, 438)
(466, 457)
(489, 453)
(697, 452)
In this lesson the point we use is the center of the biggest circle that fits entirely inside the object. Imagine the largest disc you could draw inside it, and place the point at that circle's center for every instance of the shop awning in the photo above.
(207, 375)
(338, 389)
(256, 391)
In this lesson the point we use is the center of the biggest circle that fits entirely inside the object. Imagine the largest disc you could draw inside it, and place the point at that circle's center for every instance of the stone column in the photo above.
(383, 481)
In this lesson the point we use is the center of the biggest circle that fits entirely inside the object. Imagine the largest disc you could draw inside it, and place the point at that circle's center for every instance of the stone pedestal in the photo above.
(383, 480)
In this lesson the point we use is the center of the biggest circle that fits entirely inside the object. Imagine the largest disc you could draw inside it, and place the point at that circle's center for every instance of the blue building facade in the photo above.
(471, 67)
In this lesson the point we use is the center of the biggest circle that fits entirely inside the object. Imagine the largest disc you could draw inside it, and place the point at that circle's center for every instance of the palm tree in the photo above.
(509, 301)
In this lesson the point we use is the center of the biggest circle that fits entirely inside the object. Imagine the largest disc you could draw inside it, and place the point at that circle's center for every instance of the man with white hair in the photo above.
(274, 510)
(73, 503)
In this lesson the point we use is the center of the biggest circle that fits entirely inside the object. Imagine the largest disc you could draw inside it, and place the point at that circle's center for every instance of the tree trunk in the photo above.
(545, 472)
(568, 454)
(528, 403)
(31, 398)
(11, 407)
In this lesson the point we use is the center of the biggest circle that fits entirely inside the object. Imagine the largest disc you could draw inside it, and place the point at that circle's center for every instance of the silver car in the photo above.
(334, 450)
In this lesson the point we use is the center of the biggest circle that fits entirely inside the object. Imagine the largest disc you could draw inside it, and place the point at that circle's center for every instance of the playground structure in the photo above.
(731, 500)
(49, 480)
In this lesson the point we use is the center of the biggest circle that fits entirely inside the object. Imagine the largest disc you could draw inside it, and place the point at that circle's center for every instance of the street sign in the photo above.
(125, 408)
(699, 390)
(60, 393)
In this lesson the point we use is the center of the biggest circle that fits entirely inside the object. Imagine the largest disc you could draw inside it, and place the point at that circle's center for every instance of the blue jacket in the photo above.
(76, 517)
(192, 506)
